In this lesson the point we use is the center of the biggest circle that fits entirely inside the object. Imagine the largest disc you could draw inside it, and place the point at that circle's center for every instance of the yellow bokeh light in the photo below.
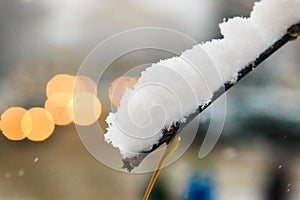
(11, 123)
(60, 115)
(37, 124)
(118, 88)
(61, 83)
(86, 109)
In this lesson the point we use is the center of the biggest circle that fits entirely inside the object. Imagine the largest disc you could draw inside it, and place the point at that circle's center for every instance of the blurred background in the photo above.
(257, 156)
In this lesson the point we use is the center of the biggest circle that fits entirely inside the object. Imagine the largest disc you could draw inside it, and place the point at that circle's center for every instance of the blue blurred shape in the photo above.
(200, 187)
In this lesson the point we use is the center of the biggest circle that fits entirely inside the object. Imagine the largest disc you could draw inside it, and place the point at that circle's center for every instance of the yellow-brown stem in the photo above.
(172, 146)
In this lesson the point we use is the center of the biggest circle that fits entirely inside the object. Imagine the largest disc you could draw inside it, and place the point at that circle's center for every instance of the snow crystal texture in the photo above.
(170, 90)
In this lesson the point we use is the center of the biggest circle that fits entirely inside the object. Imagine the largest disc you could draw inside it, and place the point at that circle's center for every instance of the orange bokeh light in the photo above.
(61, 83)
(37, 124)
(60, 115)
(69, 99)
(61, 88)
(61, 99)
(118, 88)
(11, 123)
(85, 84)
(86, 109)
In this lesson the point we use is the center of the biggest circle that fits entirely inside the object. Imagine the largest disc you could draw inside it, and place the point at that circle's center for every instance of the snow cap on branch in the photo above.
(170, 90)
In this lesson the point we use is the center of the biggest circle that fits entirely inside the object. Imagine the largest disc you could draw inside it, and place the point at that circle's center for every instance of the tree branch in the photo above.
(292, 33)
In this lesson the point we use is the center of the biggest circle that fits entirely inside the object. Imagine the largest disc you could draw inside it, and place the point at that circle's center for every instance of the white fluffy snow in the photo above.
(171, 89)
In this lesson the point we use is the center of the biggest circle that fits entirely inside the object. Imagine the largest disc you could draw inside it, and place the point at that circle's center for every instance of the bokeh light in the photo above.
(61, 99)
(11, 123)
(37, 124)
(86, 109)
(61, 83)
(118, 88)
(85, 84)
(62, 107)
(60, 115)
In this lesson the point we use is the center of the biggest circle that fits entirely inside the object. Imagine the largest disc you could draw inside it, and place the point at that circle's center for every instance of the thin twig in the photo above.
(292, 33)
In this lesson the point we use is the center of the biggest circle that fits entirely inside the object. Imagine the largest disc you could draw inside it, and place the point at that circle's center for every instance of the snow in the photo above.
(36, 159)
(170, 90)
